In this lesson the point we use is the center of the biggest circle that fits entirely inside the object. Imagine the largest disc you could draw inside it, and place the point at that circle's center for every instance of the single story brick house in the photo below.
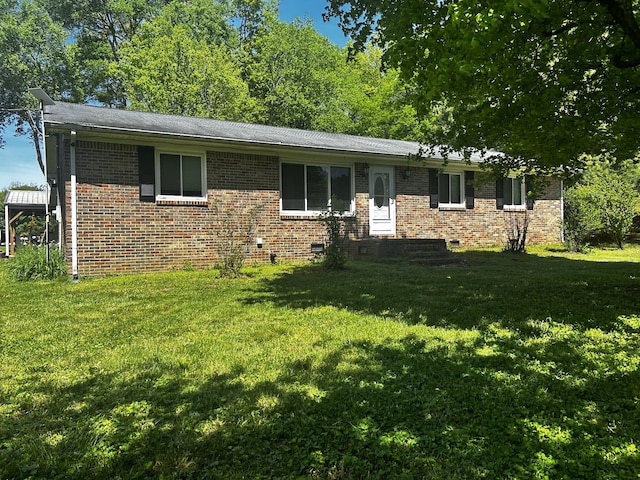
(143, 192)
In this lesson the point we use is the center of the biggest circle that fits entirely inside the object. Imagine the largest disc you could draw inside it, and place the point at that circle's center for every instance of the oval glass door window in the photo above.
(379, 192)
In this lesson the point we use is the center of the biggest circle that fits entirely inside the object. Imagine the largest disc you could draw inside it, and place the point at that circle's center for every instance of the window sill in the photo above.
(514, 208)
(183, 202)
(310, 216)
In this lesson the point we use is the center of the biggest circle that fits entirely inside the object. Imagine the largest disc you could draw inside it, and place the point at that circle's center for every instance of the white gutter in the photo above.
(74, 210)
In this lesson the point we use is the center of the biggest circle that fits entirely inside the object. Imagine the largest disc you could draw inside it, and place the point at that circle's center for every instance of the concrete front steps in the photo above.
(425, 251)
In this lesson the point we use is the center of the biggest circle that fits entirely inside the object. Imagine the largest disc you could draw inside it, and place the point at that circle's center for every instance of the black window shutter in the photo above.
(500, 193)
(469, 191)
(528, 199)
(433, 188)
(147, 173)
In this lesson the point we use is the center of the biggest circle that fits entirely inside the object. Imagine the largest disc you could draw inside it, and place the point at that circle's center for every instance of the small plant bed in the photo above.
(522, 366)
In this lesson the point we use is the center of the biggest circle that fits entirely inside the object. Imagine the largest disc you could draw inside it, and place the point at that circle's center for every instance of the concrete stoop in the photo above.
(424, 251)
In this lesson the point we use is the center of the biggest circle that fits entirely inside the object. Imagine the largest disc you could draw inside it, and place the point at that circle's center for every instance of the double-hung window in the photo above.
(451, 189)
(514, 192)
(309, 189)
(180, 176)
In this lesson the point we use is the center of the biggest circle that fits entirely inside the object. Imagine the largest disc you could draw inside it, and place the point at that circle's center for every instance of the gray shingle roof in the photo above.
(26, 198)
(86, 117)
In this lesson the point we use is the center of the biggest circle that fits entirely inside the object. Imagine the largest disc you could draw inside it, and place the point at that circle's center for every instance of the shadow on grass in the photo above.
(548, 387)
(512, 289)
(397, 409)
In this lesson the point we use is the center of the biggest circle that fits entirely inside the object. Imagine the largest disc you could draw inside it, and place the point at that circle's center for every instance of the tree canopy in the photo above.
(175, 64)
(545, 81)
(33, 52)
(225, 59)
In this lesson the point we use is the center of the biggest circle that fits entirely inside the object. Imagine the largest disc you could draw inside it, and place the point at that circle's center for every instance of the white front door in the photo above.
(382, 201)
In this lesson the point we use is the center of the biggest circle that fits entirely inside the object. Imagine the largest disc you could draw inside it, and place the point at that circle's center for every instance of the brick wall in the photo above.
(484, 225)
(117, 233)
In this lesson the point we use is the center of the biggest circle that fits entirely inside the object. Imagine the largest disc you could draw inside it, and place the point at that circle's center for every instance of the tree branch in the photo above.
(622, 13)
(559, 31)
(35, 136)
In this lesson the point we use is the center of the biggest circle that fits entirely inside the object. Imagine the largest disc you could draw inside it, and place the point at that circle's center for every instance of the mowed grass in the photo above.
(510, 366)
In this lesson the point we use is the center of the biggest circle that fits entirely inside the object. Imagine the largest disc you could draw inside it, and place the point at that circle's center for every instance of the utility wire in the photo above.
(12, 110)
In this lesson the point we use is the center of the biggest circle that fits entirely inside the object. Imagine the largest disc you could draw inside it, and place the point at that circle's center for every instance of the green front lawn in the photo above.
(521, 366)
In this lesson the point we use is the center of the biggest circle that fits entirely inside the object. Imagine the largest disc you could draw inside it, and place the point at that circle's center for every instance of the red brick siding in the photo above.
(119, 234)
(484, 225)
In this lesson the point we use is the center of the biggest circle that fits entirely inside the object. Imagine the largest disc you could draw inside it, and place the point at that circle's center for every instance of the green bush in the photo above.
(335, 256)
(30, 263)
(235, 229)
(581, 218)
(604, 201)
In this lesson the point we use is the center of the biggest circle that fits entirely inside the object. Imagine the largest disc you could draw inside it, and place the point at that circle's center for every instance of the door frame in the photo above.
(382, 227)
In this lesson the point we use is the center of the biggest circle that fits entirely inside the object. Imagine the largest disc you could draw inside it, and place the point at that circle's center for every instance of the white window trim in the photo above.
(523, 192)
(203, 174)
(445, 205)
(315, 213)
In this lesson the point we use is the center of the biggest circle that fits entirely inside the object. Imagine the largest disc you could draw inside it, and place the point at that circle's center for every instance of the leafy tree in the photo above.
(291, 70)
(206, 20)
(253, 17)
(370, 100)
(543, 81)
(193, 58)
(98, 29)
(165, 69)
(33, 53)
(606, 199)
(581, 217)
(617, 197)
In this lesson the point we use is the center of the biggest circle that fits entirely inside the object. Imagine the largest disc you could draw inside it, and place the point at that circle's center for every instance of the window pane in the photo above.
(341, 187)
(292, 186)
(170, 174)
(317, 187)
(443, 188)
(191, 177)
(456, 191)
(508, 191)
(517, 192)
(379, 196)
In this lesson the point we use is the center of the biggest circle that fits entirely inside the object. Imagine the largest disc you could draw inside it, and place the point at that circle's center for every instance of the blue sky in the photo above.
(17, 158)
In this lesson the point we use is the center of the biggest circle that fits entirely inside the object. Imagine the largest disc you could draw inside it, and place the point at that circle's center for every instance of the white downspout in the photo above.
(562, 210)
(59, 216)
(6, 228)
(59, 220)
(47, 217)
(74, 210)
